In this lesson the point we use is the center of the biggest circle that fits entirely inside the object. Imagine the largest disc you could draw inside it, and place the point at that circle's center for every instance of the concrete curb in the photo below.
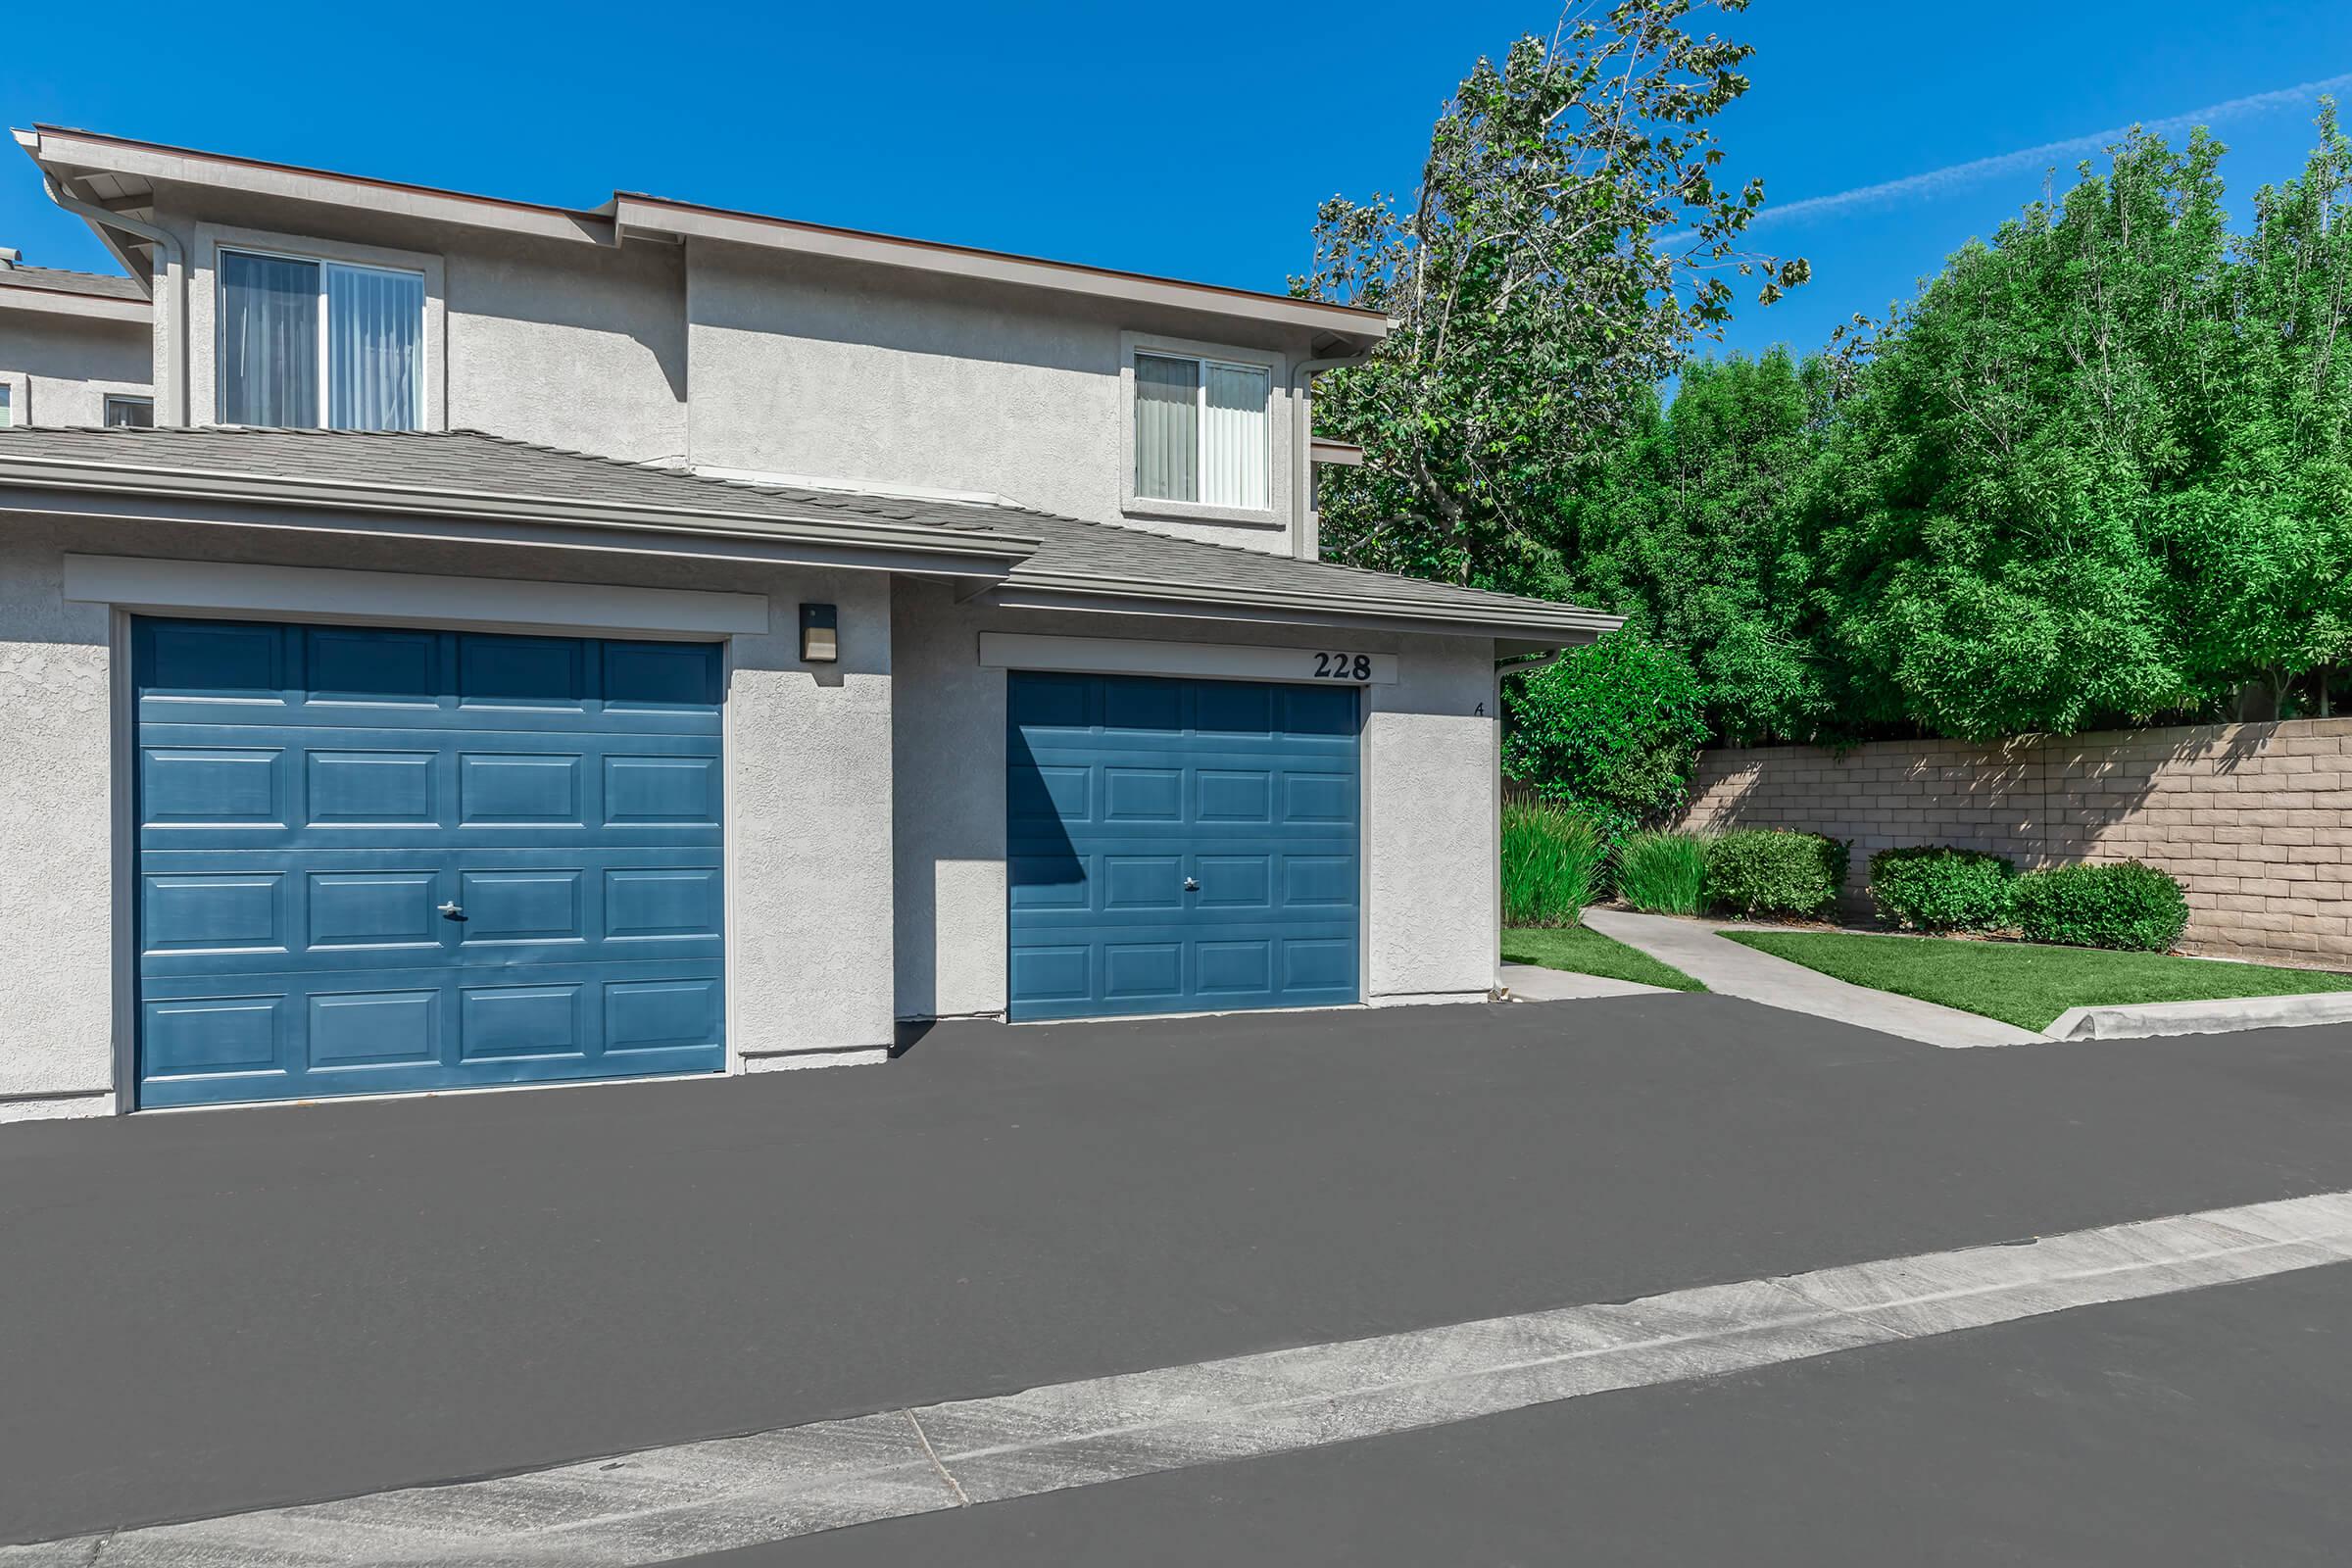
(2226, 1016)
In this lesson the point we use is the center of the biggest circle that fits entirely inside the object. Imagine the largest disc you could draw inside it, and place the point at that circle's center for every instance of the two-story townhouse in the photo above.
(537, 645)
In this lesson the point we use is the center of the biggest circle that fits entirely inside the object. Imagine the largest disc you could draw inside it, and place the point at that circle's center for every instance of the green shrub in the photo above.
(1937, 887)
(2124, 905)
(1664, 873)
(1755, 871)
(1550, 858)
(1613, 728)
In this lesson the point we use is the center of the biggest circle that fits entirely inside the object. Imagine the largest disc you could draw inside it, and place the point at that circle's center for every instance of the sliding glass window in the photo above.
(1201, 431)
(306, 343)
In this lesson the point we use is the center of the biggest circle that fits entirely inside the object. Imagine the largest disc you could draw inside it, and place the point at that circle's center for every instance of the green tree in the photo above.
(1686, 531)
(1568, 242)
(1982, 524)
(1611, 728)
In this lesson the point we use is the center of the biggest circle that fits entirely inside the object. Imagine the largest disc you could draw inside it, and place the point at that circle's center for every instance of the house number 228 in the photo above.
(1342, 667)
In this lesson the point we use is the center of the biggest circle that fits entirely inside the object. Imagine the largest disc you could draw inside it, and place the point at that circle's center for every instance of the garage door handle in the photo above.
(1191, 885)
(453, 910)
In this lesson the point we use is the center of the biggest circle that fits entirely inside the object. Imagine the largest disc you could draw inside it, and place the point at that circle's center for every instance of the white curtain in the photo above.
(375, 338)
(1233, 448)
(1167, 427)
(269, 340)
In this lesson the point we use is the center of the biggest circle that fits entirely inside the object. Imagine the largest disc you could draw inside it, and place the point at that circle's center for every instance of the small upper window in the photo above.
(8, 413)
(129, 414)
(1201, 431)
(320, 343)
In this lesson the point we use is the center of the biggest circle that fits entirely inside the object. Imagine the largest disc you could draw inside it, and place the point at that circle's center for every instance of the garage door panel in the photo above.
(1106, 824)
(463, 860)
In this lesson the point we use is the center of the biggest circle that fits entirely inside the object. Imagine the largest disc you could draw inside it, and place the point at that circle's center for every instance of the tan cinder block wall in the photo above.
(2255, 819)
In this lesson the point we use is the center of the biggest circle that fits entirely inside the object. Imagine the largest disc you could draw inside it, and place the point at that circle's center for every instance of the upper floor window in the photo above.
(1201, 431)
(7, 413)
(320, 343)
(128, 413)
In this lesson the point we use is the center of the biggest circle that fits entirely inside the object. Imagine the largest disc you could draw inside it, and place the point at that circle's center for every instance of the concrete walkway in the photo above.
(1529, 982)
(1735, 970)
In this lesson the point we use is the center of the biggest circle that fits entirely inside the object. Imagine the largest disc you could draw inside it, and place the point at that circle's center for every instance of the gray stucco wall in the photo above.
(814, 368)
(809, 777)
(567, 344)
(1430, 778)
(56, 839)
(62, 367)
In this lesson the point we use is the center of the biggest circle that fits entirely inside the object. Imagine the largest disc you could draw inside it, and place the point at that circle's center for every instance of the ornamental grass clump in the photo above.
(1934, 887)
(2123, 904)
(1772, 871)
(1662, 874)
(1552, 858)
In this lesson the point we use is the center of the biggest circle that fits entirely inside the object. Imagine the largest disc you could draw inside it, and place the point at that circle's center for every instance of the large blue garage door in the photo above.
(373, 860)
(1179, 845)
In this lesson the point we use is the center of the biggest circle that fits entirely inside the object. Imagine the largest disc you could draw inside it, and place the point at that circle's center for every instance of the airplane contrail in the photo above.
(2025, 158)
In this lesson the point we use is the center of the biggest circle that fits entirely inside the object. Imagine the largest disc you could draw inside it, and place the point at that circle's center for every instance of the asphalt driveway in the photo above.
(217, 1311)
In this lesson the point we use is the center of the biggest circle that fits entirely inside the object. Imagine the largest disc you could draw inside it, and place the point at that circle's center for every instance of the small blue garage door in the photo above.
(377, 860)
(1178, 846)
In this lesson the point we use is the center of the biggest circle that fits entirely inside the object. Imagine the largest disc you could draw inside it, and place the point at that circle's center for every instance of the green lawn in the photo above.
(2025, 985)
(1579, 949)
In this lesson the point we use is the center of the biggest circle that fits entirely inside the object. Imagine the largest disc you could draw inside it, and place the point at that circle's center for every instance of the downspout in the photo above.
(1302, 456)
(173, 394)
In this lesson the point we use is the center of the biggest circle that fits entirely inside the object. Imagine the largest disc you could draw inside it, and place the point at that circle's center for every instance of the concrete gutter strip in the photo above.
(2224, 1017)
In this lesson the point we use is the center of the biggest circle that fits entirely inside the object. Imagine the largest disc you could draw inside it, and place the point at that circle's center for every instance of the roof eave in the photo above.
(912, 541)
(69, 302)
(1548, 626)
(656, 216)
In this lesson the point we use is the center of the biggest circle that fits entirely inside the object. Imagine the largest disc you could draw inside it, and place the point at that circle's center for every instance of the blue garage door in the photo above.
(374, 860)
(1179, 845)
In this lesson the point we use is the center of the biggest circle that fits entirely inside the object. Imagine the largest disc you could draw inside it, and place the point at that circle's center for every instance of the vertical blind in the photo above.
(1233, 439)
(270, 314)
(269, 340)
(1201, 431)
(375, 328)
(1167, 427)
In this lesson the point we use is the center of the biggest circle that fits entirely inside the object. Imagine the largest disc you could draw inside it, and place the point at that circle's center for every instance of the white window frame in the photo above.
(208, 324)
(106, 405)
(322, 263)
(1275, 513)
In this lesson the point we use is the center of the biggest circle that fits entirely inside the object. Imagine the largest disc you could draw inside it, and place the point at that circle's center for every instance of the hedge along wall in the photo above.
(2255, 819)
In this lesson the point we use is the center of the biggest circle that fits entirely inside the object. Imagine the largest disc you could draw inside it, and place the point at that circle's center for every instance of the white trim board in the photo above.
(1135, 656)
(316, 593)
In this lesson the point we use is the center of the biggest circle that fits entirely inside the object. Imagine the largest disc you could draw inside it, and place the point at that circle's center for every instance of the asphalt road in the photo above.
(210, 1312)
(2198, 1430)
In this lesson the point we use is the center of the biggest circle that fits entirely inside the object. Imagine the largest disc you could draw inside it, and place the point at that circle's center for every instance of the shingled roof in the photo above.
(58, 280)
(1044, 553)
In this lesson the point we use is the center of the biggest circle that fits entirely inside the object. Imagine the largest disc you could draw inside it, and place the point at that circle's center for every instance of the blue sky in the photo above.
(1096, 134)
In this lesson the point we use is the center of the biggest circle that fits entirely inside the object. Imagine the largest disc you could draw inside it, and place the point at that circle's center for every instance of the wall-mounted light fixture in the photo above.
(820, 634)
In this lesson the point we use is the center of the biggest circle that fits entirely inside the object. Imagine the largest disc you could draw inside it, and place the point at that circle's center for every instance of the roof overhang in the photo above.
(109, 492)
(120, 173)
(115, 170)
(73, 303)
(660, 218)
(1526, 631)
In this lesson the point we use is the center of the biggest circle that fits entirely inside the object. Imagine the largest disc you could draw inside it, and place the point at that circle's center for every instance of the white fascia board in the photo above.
(270, 490)
(87, 306)
(1521, 639)
(1135, 655)
(1573, 624)
(658, 219)
(67, 153)
(416, 598)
